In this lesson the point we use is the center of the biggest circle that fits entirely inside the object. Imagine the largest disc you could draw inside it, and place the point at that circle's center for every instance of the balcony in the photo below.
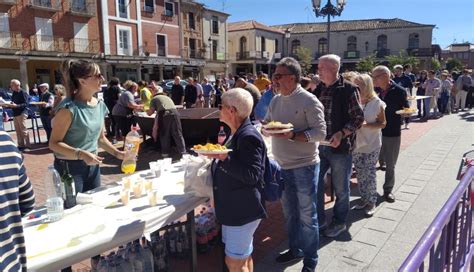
(84, 46)
(9, 2)
(193, 53)
(48, 43)
(420, 52)
(86, 8)
(382, 53)
(352, 54)
(50, 5)
(11, 40)
(247, 55)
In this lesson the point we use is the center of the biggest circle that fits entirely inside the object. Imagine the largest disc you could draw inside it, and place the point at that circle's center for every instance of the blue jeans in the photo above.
(299, 207)
(86, 177)
(341, 170)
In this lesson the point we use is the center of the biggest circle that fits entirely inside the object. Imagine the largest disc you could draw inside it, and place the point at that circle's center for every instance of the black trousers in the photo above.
(123, 123)
(169, 127)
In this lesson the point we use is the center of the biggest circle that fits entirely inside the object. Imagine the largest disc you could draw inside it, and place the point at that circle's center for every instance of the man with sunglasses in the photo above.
(297, 153)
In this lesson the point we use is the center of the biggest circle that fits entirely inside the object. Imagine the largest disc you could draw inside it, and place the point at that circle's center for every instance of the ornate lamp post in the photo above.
(328, 10)
(287, 37)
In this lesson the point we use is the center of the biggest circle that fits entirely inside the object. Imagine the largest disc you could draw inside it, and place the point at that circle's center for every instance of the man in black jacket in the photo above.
(396, 99)
(19, 106)
(190, 94)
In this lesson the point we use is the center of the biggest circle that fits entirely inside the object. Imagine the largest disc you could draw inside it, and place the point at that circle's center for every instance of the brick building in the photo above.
(35, 36)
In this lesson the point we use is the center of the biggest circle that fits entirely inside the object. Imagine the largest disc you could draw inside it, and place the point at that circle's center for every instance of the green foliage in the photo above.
(366, 64)
(401, 59)
(304, 57)
(454, 64)
(435, 64)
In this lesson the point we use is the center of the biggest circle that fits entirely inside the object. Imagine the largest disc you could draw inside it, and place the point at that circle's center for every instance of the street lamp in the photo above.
(328, 10)
(287, 37)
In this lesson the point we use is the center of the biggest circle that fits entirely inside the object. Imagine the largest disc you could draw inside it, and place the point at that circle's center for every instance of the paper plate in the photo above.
(211, 152)
(277, 131)
(402, 112)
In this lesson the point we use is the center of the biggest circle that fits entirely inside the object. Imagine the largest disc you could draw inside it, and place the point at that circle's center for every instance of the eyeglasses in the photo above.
(98, 76)
(279, 76)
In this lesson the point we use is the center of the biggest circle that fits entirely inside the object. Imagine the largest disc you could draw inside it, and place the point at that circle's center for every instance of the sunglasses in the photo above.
(279, 76)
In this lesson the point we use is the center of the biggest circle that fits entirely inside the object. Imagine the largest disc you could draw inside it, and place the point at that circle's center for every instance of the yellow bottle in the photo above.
(132, 143)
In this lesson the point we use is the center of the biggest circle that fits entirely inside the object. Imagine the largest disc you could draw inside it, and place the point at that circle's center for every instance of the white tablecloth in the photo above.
(90, 229)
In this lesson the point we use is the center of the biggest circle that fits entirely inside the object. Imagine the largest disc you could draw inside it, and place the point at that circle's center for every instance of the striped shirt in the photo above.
(16, 199)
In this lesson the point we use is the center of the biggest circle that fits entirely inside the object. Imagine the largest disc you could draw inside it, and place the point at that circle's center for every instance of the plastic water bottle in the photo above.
(132, 143)
(221, 136)
(54, 201)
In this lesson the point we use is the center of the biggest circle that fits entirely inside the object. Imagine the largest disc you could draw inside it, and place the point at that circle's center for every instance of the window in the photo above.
(295, 44)
(161, 42)
(191, 22)
(81, 38)
(5, 40)
(149, 6)
(366, 46)
(44, 34)
(276, 46)
(243, 45)
(214, 49)
(323, 46)
(124, 41)
(382, 42)
(215, 25)
(169, 9)
(192, 48)
(352, 43)
(79, 6)
(262, 44)
(413, 40)
(122, 8)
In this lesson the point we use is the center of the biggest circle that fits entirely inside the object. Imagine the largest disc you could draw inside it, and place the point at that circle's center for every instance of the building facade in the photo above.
(214, 35)
(464, 52)
(356, 39)
(36, 36)
(253, 47)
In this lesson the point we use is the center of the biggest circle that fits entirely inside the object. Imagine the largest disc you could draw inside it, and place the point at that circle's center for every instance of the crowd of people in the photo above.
(341, 122)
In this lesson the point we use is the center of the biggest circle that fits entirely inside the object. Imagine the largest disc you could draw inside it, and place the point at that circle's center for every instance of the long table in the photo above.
(91, 229)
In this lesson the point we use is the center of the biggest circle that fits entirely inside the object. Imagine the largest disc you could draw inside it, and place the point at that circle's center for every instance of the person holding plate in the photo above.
(237, 180)
(297, 153)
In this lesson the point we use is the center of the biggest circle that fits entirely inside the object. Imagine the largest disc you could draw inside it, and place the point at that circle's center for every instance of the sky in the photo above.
(454, 19)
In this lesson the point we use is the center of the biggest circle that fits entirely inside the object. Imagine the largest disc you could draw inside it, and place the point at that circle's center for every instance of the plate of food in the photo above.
(210, 149)
(407, 111)
(275, 127)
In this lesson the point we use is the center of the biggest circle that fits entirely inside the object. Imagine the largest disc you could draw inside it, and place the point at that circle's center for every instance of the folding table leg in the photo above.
(192, 240)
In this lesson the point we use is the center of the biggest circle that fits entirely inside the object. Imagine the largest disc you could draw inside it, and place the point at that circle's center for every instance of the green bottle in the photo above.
(69, 188)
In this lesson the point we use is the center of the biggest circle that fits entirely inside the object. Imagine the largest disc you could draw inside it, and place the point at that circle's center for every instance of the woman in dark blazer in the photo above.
(237, 177)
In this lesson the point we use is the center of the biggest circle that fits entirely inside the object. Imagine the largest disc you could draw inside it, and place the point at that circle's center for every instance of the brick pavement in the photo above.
(271, 232)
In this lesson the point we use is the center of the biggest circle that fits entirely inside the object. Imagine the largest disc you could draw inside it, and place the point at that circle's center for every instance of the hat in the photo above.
(44, 85)
(398, 66)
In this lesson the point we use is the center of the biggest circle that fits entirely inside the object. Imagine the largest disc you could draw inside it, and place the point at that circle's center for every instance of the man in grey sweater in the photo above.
(297, 154)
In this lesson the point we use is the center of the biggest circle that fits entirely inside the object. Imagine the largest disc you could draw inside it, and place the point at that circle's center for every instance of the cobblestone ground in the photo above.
(270, 233)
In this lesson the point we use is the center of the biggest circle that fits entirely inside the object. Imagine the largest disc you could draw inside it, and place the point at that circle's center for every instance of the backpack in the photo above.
(273, 186)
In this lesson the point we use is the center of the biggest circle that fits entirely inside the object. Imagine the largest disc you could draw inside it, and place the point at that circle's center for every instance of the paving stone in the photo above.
(390, 214)
(359, 252)
(416, 183)
(410, 189)
(405, 197)
(381, 224)
(371, 237)
(400, 205)
(420, 177)
(344, 265)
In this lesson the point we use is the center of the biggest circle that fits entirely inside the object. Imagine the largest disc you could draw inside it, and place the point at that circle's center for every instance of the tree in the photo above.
(303, 55)
(401, 59)
(435, 64)
(366, 64)
(454, 64)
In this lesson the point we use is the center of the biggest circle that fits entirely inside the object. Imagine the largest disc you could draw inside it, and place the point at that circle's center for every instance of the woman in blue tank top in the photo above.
(78, 126)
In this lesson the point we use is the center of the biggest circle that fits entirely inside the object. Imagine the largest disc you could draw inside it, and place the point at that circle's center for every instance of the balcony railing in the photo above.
(448, 243)
(352, 54)
(48, 43)
(11, 40)
(84, 45)
(83, 7)
(193, 53)
(420, 52)
(9, 2)
(249, 55)
(52, 5)
(382, 53)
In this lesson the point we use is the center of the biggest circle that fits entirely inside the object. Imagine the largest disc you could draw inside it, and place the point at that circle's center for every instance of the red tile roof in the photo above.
(251, 24)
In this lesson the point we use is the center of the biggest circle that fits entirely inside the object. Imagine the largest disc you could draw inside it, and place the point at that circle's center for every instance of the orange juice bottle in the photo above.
(131, 146)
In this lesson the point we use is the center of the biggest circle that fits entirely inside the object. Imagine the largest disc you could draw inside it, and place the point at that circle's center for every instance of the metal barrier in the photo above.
(448, 243)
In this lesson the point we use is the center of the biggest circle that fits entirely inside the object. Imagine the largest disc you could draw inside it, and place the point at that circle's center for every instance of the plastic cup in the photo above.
(126, 183)
(138, 188)
(166, 164)
(152, 197)
(125, 196)
(148, 184)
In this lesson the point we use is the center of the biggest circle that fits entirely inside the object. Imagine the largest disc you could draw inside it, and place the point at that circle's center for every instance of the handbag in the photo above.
(198, 176)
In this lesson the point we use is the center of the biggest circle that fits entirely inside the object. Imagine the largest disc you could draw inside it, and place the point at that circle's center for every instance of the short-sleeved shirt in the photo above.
(161, 103)
(121, 108)
(145, 96)
(86, 124)
(369, 139)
